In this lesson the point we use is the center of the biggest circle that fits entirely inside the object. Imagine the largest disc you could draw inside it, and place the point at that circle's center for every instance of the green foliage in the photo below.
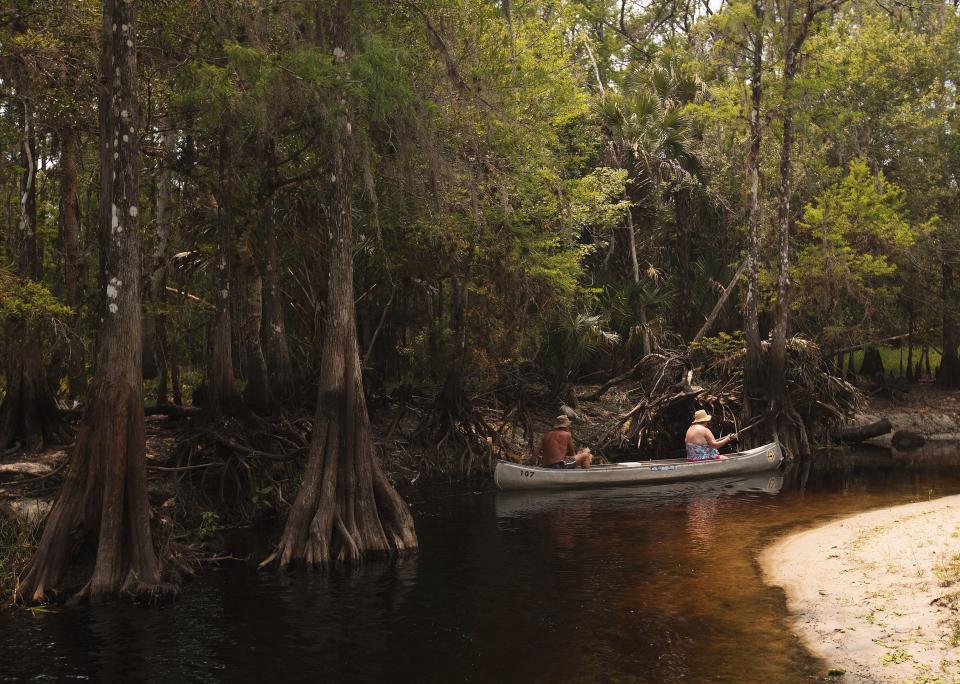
(597, 204)
(723, 345)
(209, 524)
(895, 657)
(570, 339)
(851, 236)
(25, 300)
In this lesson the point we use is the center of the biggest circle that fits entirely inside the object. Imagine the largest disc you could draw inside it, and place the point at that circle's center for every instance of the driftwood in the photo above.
(859, 433)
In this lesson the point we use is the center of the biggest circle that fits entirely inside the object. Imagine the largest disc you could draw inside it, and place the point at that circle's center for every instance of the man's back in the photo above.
(554, 446)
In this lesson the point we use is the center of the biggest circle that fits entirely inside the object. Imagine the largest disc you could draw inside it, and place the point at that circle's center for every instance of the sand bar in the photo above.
(877, 594)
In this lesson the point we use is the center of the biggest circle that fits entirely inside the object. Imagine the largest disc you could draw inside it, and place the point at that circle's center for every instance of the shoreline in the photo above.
(876, 595)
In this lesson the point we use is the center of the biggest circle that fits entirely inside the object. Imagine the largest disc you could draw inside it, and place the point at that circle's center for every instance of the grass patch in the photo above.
(948, 572)
(16, 549)
(895, 657)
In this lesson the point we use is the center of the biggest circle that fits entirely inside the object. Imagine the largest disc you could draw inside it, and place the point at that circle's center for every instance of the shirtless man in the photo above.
(700, 442)
(556, 449)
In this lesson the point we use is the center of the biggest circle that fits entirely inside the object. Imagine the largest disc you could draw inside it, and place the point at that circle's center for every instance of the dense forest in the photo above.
(284, 221)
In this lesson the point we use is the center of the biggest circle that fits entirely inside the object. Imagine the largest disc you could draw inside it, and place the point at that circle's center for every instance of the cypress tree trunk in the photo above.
(948, 375)
(684, 216)
(754, 357)
(346, 509)
(788, 425)
(222, 396)
(72, 267)
(279, 364)
(910, 376)
(29, 413)
(103, 500)
(155, 328)
(257, 393)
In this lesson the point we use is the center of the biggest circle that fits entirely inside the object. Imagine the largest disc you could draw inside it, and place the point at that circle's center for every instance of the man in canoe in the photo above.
(700, 443)
(556, 449)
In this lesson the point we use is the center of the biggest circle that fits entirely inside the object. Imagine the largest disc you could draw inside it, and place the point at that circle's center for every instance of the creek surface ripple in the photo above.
(632, 585)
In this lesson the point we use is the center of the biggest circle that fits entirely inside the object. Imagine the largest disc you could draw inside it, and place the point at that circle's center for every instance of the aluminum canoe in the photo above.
(514, 476)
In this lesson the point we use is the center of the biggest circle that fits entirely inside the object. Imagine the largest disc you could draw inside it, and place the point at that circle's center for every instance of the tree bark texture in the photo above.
(948, 375)
(103, 500)
(346, 509)
(277, 349)
(155, 327)
(222, 395)
(72, 265)
(257, 393)
(754, 359)
(29, 414)
(859, 433)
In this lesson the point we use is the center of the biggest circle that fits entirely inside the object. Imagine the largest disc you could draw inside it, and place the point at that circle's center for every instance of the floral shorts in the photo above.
(701, 452)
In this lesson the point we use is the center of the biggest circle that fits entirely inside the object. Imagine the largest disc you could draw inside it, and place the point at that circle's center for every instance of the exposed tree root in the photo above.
(814, 399)
(453, 425)
(103, 502)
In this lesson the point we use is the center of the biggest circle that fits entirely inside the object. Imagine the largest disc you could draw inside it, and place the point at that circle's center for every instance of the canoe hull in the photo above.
(513, 476)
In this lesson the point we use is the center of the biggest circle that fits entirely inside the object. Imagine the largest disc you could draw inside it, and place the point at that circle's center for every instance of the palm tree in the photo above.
(571, 339)
(652, 137)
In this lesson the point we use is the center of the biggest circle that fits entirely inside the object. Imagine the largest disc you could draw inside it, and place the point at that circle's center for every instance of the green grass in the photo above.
(891, 359)
(896, 657)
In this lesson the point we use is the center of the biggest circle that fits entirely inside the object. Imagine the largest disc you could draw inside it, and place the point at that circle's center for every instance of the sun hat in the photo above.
(561, 422)
(701, 416)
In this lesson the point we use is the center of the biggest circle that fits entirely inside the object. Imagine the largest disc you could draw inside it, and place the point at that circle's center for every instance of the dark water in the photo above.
(618, 585)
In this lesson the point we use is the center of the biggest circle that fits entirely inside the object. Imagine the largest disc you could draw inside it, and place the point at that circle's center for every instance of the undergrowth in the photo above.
(16, 548)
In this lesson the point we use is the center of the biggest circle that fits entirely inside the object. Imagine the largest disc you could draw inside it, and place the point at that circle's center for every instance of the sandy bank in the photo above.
(877, 594)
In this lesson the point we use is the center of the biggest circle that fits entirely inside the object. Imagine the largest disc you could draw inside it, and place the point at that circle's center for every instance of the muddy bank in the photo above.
(876, 595)
(932, 413)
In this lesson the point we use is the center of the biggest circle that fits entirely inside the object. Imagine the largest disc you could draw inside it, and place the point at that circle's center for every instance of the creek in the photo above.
(633, 585)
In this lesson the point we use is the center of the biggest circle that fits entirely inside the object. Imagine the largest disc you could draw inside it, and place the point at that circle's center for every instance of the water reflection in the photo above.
(637, 584)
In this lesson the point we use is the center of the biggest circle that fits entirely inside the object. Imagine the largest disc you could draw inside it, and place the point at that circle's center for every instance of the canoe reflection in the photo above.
(524, 503)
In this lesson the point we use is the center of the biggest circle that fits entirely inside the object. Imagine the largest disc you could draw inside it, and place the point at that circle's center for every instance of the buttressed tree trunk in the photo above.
(29, 413)
(346, 509)
(103, 500)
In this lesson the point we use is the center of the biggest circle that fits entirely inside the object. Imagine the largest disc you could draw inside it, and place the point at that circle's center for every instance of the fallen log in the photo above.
(859, 433)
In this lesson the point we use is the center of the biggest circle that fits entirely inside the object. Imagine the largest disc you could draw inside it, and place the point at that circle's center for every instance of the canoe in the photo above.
(514, 476)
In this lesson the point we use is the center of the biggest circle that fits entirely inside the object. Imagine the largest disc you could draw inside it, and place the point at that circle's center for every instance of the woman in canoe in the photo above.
(700, 443)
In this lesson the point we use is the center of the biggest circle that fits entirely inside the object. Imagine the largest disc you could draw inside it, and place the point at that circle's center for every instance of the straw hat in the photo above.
(701, 416)
(561, 422)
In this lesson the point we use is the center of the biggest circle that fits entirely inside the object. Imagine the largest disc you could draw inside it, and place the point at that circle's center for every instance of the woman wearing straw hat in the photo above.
(700, 442)
(556, 449)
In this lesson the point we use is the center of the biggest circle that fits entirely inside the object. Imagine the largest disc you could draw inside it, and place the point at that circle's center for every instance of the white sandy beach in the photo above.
(876, 595)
